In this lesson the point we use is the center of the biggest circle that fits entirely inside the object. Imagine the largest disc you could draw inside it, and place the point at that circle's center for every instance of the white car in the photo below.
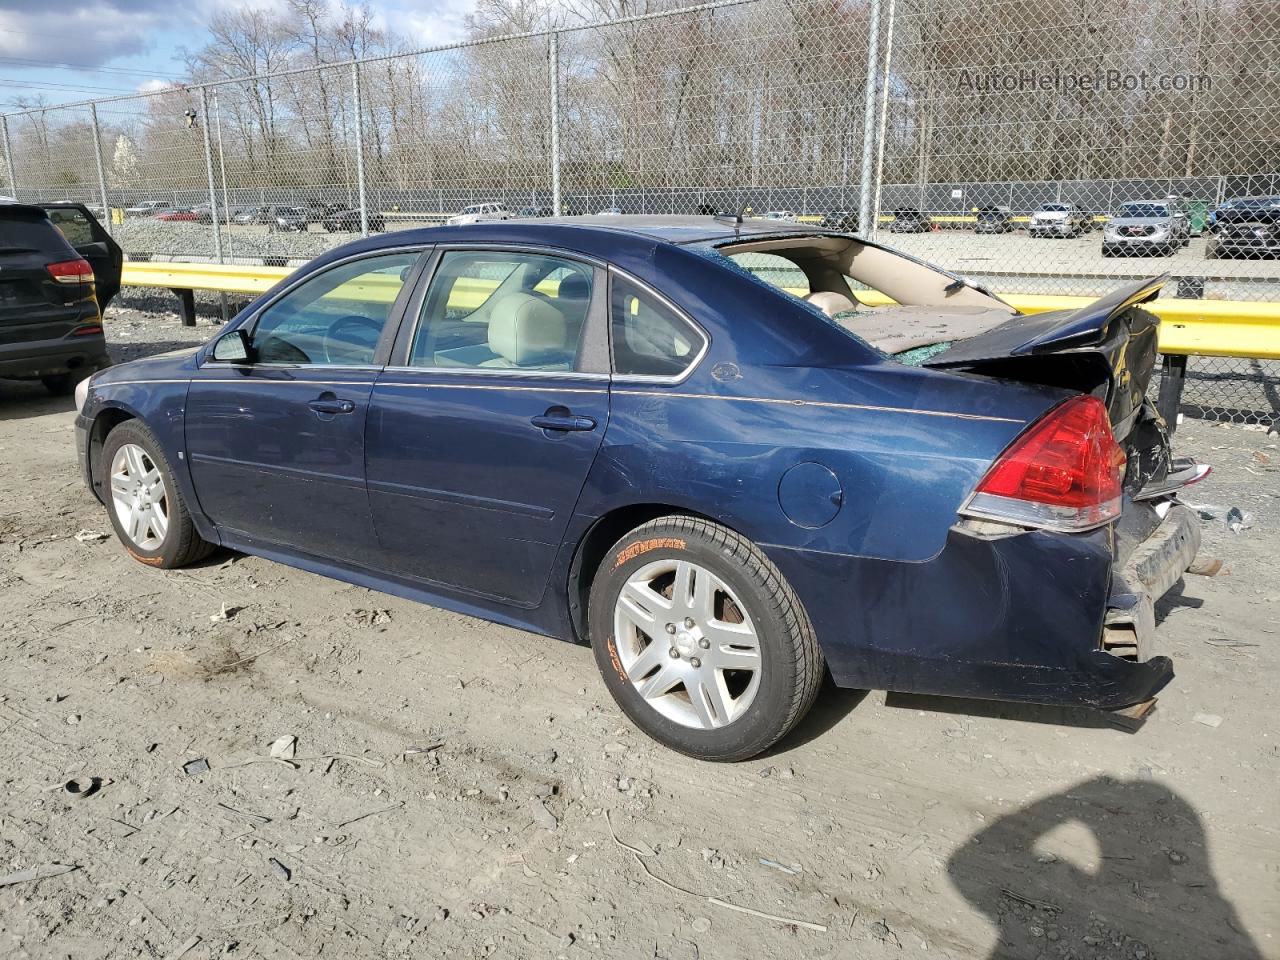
(480, 213)
(148, 208)
(780, 215)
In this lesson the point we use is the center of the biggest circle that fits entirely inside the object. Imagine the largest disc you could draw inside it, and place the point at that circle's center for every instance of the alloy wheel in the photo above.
(138, 497)
(687, 644)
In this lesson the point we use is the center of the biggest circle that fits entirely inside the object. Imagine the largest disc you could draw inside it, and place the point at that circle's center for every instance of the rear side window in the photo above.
(74, 226)
(498, 310)
(649, 338)
(25, 231)
(774, 270)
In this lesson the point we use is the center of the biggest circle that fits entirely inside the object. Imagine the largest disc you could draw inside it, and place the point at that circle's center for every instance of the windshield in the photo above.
(1144, 210)
(1055, 208)
(473, 209)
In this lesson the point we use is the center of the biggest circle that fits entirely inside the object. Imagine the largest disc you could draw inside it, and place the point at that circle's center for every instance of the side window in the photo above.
(73, 224)
(335, 317)
(774, 270)
(649, 338)
(490, 309)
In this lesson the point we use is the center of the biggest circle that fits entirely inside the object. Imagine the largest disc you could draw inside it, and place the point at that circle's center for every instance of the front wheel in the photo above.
(701, 641)
(143, 500)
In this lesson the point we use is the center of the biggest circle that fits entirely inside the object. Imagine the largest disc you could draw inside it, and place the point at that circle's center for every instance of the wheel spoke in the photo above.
(660, 683)
(121, 486)
(710, 701)
(151, 480)
(682, 589)
(733, 658)
(133, 457)
(654, 655)
(159, 521)
(702, 605)
(138, 525)
(640, 603)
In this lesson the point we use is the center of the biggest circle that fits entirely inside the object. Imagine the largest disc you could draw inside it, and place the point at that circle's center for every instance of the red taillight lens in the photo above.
(1064, 473)
(71, 271)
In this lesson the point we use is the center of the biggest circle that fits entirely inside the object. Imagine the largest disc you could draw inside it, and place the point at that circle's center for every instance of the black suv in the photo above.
(58, 270)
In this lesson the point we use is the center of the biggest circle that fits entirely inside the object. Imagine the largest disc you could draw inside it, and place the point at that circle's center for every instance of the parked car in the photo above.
(1059, 220)
(910, 221)
(609, 212)
(994, 220)
(1251, 231)
(533, 212)
(846, 221)
(348, 221)
(58, 271)
(148, 208)
(285, 219)
(1146, 227)
(1239, 203)
(480, 213)
(618, 435)
(786, 215)
(184, 216)
(247, 216)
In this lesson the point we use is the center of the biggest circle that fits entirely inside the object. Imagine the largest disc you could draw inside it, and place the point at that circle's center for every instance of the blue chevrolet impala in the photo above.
(731, 456)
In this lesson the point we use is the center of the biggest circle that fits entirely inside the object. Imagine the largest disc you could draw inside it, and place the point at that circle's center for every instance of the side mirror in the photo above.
(232, 347)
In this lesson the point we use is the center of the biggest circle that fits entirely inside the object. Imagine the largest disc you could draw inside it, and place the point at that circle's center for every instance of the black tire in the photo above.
(61, 384)
(791, 663)
(181, 544)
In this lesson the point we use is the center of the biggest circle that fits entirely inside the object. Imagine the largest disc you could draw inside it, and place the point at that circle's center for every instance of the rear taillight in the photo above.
(71, 271)
(1063, 473)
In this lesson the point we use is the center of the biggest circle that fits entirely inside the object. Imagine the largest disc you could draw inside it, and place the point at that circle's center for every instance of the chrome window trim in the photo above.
(221, 365)
(687, 372)
(498, 372)
(292, 283)
(419, 299)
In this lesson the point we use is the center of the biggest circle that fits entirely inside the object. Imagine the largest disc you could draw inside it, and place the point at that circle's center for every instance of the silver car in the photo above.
(1059, 220)
(1146, 227)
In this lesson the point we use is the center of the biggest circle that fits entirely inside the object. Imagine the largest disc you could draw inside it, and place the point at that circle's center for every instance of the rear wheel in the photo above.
(59, 384)
(143, 500)
(701, 641)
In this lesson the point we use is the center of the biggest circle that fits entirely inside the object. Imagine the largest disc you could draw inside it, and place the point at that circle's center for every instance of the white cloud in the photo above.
(445, 23)
(153, 85)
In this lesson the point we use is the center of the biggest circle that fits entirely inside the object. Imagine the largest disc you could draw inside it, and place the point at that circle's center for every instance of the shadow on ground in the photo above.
(1145, 890)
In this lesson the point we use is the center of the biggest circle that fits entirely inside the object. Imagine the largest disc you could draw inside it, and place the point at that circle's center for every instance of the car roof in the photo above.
(665, 229)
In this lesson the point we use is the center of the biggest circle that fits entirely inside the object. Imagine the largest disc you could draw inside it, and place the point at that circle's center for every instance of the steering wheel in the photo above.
(352, 330)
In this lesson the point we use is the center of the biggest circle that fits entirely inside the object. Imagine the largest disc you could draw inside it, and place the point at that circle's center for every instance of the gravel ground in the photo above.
(460, 789)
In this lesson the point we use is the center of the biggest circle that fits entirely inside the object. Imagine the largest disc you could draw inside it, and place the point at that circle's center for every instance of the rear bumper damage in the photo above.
(1153, 567)
(1023, 618)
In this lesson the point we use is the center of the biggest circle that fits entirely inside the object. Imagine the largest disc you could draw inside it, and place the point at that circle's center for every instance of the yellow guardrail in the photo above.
(1211, 328)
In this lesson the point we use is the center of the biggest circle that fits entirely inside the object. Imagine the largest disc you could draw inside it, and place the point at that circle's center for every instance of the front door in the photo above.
(276, 443)
(480, 439)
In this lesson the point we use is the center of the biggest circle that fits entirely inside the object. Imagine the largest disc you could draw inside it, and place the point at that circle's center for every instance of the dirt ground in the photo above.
(466, 790)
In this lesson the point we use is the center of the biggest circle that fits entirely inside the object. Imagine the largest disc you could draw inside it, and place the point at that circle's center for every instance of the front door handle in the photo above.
(329, 404)
(563, 421)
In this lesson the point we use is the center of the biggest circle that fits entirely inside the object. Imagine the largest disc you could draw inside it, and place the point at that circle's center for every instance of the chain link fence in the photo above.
(1054, 147)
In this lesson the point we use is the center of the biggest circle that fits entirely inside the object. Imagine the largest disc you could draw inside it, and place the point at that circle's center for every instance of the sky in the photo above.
(70, 50)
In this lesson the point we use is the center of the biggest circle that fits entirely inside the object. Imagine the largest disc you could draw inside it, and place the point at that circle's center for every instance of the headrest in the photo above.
(831, 303)
(527, 330)
(574, 287)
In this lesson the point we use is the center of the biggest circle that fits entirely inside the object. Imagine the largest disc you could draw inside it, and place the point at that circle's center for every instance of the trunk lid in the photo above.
(1107, 348)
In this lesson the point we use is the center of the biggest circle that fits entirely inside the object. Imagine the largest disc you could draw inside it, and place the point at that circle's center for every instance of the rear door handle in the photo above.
(563, 421)
(331, 405)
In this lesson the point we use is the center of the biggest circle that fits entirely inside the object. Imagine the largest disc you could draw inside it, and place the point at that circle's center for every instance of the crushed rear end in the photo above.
(1106, 352)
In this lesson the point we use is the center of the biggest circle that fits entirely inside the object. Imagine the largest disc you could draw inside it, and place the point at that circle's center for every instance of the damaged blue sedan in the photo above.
(731, 456)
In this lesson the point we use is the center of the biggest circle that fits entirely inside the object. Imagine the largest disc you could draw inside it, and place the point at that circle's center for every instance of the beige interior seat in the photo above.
(528, 331)
(830, 302)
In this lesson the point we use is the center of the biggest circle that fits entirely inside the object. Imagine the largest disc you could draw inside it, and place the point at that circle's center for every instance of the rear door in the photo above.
(480, 437)
(90, 239)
